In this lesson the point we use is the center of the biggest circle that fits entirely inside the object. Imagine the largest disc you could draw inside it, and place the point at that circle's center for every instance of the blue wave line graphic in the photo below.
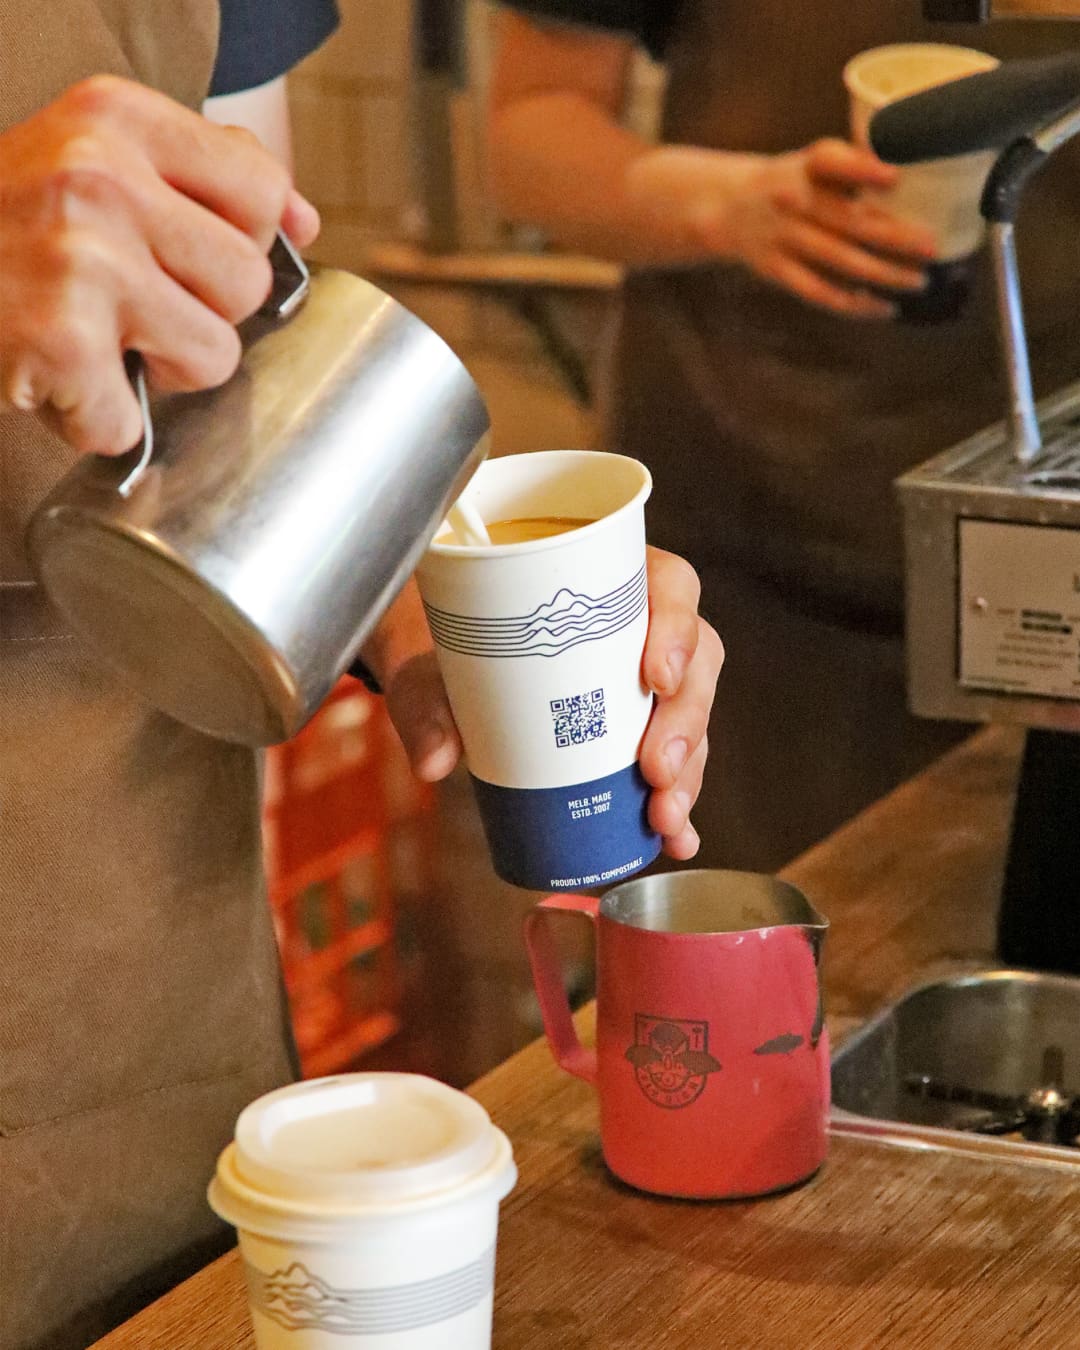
(538, 644)
(556, 605)
(567, 620)
(576, 615)
(595, 619)
(554, 636)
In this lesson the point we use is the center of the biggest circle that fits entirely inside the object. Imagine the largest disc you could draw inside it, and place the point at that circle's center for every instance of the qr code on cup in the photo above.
(579, 718)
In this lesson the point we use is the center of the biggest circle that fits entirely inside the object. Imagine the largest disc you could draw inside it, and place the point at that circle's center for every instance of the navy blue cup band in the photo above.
(583, 835)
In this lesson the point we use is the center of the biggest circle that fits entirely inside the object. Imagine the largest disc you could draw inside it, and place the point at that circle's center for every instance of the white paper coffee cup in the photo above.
(540, 648)
(942, 194)
(367, 1209)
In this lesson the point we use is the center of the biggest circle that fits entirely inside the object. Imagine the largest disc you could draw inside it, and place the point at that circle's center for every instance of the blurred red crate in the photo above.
(339, 804)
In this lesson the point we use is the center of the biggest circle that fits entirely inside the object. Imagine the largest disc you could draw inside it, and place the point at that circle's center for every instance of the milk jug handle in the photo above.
(288, 291)
(559, 1027)
(136, 373)
(292, 281)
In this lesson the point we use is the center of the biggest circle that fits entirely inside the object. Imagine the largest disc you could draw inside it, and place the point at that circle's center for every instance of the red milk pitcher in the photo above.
(711, 1059)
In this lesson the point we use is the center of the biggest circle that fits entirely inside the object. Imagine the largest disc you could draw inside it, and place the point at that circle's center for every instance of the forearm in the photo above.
(562, 163)
(810, 220)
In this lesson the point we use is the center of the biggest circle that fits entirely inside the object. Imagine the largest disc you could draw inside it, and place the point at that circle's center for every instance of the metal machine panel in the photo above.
(1019, 608)
(1030, 561)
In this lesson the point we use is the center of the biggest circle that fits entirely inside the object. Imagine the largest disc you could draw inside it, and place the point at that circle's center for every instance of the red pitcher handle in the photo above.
(569, 1053)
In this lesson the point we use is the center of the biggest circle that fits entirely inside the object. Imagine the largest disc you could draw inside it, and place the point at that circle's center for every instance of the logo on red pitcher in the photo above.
(671, 1059)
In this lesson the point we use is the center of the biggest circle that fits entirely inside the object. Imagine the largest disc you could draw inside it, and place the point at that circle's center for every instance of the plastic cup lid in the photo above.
(364, 1138)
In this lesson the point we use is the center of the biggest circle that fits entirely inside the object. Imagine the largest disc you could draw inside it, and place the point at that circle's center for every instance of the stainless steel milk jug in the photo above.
(232, 564)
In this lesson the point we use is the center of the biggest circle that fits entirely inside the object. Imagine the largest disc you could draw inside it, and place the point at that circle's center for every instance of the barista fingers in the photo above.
(131, 223)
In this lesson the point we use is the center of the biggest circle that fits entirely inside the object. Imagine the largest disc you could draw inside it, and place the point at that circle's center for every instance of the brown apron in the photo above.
(774, 431)
(140, 1003)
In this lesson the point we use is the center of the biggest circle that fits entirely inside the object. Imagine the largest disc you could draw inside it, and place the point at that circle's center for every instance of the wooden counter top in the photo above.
(886, 1247)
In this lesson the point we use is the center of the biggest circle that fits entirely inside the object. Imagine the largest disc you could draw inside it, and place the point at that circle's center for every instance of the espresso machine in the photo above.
(992, 525)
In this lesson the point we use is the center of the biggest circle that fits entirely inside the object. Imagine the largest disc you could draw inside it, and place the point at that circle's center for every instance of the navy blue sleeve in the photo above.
(651, 22)
(262, 39)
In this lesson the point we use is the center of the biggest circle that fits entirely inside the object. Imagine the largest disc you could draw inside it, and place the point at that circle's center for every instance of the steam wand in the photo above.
(1029, 107)
(1000, 204)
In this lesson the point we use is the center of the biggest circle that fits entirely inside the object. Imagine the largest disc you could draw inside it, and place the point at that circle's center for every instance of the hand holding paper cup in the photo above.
(941, 194)
(539, 638)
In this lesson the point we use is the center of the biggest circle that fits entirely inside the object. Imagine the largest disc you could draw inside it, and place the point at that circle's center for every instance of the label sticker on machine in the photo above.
(1020, 608)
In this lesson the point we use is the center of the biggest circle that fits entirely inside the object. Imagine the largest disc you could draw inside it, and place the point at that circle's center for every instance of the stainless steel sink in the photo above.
(984, 1060)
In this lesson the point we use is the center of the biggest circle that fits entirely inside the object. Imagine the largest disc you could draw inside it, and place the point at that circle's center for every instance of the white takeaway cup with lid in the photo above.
(367, 1209)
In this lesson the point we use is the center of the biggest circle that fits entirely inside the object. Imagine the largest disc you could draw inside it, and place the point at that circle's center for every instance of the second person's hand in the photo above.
(811, 221)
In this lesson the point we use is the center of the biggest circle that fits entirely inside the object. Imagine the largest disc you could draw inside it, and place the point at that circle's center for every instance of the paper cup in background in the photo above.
(942, 194)
(366, 1207)
(540, 647)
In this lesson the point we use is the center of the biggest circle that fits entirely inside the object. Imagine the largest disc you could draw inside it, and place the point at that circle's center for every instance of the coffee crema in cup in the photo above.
(524, 529)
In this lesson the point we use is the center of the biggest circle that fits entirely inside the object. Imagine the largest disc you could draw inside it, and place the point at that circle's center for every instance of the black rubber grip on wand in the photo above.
(986, 111)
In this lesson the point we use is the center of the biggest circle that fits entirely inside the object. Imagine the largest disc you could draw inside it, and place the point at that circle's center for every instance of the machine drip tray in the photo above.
(992, 1056)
